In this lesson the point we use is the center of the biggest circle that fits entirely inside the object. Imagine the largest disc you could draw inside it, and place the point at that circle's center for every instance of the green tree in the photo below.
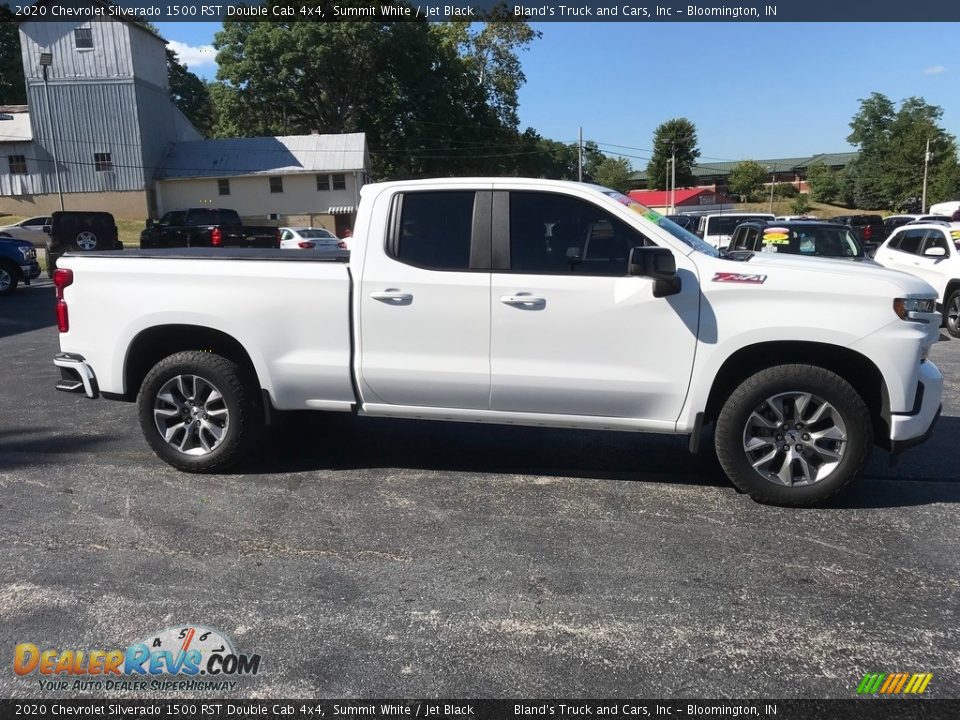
(13, 89)
(190, 94)
(892, 144)
(679, 136)
(824, 183)
(747, 178)
(800, 205)
(433, 99)
(614, 173)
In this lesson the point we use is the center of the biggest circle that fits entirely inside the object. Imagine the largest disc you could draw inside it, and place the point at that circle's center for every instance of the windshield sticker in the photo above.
(728, 277)
(955, 234)
(776, 238)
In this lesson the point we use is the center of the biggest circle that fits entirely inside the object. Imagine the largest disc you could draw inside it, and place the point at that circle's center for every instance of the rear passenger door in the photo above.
(425, 303)
(902, 250)
(572, 333)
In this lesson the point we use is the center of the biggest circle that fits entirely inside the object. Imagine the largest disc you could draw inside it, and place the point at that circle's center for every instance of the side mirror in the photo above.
(151, 223)
(935, 252)
(657, 263)
(46, 229)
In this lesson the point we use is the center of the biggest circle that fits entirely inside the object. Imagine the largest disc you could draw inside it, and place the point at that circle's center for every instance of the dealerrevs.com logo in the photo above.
(189, 652)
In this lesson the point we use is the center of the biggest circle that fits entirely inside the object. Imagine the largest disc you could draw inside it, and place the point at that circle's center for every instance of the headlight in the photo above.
(28, 252)
(912, 308)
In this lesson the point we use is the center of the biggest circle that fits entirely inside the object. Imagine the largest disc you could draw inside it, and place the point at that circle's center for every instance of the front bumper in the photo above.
(76, 375)
(915, 427)
(31, 271)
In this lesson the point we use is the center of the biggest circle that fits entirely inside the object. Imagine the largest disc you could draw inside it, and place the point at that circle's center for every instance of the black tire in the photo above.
(9, 278)
(744, 416)
(951, 313)
(243, 421)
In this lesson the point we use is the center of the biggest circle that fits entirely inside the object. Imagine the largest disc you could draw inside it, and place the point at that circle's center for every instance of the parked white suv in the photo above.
(718, 229)
(930, 251)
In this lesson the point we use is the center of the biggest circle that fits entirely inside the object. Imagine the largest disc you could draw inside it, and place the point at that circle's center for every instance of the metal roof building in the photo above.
(283, 155)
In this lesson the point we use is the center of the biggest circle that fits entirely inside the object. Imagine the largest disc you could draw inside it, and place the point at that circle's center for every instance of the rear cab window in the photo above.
(433, 229)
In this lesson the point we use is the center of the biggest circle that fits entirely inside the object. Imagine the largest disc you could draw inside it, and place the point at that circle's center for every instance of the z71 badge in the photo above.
(728, 277)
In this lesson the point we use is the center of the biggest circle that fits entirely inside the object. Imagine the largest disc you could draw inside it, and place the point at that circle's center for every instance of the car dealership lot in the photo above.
(376, 558)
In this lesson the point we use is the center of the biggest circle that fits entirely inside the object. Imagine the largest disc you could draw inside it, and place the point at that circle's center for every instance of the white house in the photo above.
(296, 179)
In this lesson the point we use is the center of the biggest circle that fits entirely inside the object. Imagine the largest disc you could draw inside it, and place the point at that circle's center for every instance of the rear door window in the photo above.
(435, 229)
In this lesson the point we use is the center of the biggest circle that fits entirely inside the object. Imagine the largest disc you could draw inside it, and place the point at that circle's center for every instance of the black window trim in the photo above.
(479, 232)
(223, 183)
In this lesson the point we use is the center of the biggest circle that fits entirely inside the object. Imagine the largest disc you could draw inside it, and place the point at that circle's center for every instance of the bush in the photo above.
(785, 190)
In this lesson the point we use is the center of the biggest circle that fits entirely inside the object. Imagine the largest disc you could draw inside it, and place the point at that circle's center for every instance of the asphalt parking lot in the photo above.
(368, 558)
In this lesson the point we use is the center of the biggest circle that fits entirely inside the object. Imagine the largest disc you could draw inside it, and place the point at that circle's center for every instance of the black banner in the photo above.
(642, 11)
(854, 709)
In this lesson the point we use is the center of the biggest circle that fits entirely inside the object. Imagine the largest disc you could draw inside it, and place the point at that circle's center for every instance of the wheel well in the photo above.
(856, 369)
(951, 286)
(151, 346)
(11, 267)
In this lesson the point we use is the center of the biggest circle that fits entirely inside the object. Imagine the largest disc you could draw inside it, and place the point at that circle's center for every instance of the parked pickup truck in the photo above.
(206, 227)
(18, 264)
(527, 302)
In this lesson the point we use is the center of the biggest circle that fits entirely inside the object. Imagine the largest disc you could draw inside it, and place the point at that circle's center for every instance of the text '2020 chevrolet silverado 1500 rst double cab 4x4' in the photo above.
(514, 301)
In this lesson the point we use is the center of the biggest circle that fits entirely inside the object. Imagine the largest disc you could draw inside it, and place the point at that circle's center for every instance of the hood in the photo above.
(15, 241)
(819, 267)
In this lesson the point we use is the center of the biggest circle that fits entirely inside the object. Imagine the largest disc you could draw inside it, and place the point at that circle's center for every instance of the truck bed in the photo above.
(289, 310)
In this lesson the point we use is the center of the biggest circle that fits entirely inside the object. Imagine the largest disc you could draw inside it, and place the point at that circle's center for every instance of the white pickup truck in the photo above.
(513, 301)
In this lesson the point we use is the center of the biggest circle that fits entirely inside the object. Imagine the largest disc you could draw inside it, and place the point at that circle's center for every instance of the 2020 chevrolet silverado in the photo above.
(514, 301)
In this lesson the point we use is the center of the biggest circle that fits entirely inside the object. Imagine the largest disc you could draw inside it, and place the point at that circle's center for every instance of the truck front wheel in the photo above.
(793, 435)
(198, 411)
(951, 311)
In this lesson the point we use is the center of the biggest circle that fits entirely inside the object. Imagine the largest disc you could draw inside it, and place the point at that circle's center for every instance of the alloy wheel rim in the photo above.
(953, 313)
(795, 439)
(191, 415)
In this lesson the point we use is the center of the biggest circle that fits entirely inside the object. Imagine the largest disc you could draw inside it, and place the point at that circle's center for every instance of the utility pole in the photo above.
(673, 179)
(926, 167)
(773, 177)
(580, 156)
(46, 60)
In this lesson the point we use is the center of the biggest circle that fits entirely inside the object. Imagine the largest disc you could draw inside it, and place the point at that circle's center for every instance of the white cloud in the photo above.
(194, 56)
(935, 70)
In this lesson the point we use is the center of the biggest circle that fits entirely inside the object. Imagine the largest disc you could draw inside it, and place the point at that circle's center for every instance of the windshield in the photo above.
(324, 234)
(684, 236)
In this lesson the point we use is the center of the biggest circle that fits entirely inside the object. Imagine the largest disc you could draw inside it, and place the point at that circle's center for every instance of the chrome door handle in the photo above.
(393, 296)
(524, 301)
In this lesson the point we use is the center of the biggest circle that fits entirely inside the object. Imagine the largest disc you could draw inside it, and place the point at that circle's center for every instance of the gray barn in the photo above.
(109, 119)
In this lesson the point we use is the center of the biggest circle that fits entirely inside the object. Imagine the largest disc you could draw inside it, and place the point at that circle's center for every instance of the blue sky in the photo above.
(754, 90)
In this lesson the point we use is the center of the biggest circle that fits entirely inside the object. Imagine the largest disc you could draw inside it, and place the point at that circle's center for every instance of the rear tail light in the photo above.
(62, 277)
(306, 245)
(216, 237)
(867, 232)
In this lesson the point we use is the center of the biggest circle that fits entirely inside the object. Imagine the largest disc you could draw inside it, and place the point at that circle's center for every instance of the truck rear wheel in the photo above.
(793, 435)
(199, 411)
